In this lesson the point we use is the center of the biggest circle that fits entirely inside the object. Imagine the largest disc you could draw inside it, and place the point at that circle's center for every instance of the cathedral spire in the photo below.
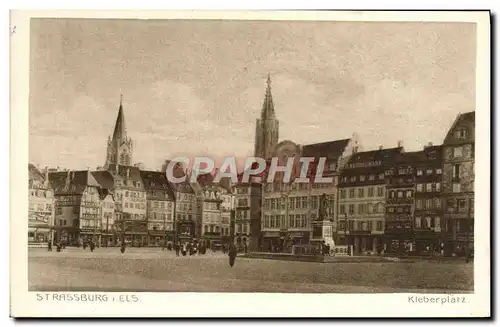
(268, 106)
(120, 132)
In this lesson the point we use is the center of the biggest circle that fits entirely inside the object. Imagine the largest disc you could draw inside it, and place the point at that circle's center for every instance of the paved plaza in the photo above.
(154, 270)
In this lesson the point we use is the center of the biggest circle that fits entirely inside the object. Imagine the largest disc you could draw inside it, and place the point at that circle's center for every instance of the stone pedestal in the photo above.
(323, 231)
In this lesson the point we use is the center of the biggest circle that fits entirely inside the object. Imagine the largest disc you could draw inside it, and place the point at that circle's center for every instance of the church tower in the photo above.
(267, 127)
(119, 146)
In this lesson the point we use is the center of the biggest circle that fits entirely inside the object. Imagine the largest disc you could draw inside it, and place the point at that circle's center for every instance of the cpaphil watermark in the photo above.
(296, 170)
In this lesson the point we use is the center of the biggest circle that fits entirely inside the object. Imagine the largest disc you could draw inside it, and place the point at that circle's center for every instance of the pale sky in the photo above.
(197, 87)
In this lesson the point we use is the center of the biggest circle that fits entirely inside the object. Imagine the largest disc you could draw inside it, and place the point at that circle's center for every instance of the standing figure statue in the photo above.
(323, 208)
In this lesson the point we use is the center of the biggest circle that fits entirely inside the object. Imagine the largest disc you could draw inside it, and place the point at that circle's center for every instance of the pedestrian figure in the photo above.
(85, 245)
(49, 246)
(92, 246)
(245, 247)
(58, 245)
(122, 248)
(232, 254)
(177, 249)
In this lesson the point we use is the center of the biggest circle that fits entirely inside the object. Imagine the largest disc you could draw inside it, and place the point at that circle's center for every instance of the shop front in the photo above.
(366, 243)
(39, 236)
(271, 241)
(428, 243)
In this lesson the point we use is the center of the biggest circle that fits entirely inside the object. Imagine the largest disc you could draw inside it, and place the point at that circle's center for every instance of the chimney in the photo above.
(381, 147)
(400, 144)
(428, 145)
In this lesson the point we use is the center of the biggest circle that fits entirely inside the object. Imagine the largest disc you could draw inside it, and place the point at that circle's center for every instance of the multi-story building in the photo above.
(247, 213)
(210, 195)
(362, 200)
(458, 185)
(428, 200)
(160, 207)
(107, 209)
(186, 223)
(130, 208)
(41, 207)
(399, 203)
(289, 208)
(78, 214)
(227, 207)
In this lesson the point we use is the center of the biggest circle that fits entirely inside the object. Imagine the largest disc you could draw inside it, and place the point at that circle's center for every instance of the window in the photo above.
(332, 166)
(438, 187)
(362, 178)
(342, 194)
(371, 192)
(371, 177)
(462, 205)
(126, 193)
(351, 193)
(420, 187)
(304, 202)
(456, 172)
(437, 222)
(461, 134)
(370, 225)
(450, 205)
(379, 225)
(419, 172)
(361, 193)
(400, 194)
(351, 208)
(437, 203)
(59, 211)
(428, 187)
(408, 194)
(361, 208)
(427, 222)
(428, 203)
(419, 203)
(353, 178)
(342, 209)
(457, 152)
(439, 171)
(471, 205)
(381, 176)
(456, 187)
(380, 191)
(390, 209)
(418, 222)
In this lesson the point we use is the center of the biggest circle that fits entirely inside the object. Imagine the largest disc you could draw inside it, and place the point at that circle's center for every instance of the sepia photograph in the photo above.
(255, 155)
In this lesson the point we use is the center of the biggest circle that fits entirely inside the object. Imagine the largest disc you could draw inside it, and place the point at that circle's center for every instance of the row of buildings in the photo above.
(384, 199)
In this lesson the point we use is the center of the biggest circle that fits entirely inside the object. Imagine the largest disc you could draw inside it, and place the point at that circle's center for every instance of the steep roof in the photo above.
(120, 131)
(155, 180)
(34, 173)
(78, 181)
(376, 155)
(332, 149)
(268, 105)
(468, 118)
(134, 172)
(104, 178)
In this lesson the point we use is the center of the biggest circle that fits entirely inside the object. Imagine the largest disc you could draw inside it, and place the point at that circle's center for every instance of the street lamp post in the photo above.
(345, 232)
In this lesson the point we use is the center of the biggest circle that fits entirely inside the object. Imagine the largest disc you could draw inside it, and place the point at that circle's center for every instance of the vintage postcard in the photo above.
(250, 164)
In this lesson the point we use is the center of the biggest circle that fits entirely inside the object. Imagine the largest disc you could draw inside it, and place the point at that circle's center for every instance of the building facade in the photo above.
(400, 204)
(160, 208)
(41, 207)
(130, 208)
(458, 185)
(247, 213)
(78, 207)
(362, 200)
(428, 200)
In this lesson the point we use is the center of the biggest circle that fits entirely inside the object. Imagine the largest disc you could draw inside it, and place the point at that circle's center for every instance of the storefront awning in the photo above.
(271, 234)
(38, 229)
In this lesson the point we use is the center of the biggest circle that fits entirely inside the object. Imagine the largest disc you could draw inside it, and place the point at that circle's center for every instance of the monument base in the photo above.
(323, 233)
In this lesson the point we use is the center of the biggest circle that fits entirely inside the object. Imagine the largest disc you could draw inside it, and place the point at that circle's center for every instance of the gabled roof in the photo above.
(332, 149)
(120, 132)
(134, 172)
(104, 178)
(376, 155)
(35, 174)
(78, 181)
(155, 180)
(468, 118)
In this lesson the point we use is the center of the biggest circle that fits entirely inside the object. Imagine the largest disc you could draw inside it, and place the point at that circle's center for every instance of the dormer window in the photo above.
(461, 134)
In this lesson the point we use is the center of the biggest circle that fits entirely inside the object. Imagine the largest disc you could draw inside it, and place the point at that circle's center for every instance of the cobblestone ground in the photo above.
(150, 270)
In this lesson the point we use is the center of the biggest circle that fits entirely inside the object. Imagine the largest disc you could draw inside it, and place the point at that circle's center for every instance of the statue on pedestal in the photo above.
(323, 208)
